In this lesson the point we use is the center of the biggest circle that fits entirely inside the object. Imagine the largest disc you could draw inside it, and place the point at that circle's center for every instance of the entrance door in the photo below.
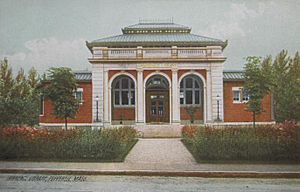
(157, 107)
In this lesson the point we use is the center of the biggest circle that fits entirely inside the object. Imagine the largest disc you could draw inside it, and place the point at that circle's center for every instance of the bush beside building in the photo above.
(264, 143)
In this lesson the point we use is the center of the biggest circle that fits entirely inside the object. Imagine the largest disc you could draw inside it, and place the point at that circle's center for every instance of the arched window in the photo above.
(157, 82)
(191, 88)
(123, 91)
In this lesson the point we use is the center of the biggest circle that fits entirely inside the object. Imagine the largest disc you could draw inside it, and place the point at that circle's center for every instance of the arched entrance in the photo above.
(157, 100)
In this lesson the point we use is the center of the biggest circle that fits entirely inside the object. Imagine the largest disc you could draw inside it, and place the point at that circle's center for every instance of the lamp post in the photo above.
(218, 105)
(97, 110)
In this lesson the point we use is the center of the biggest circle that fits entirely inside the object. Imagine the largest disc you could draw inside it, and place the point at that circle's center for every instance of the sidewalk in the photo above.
(156, 157)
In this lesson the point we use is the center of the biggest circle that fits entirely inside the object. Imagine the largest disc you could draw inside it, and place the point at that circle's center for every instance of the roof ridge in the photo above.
(205, 37)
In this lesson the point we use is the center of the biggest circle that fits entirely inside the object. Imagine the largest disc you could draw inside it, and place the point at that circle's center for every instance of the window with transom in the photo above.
(191, 89)
(123, 91)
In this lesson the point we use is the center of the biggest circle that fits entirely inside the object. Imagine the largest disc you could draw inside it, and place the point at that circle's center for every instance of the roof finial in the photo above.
(156, 20)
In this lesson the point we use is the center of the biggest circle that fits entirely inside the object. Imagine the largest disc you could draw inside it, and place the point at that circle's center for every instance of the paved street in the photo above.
(59, 183)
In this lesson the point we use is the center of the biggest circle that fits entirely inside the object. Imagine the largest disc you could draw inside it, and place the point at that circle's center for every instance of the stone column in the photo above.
(97, 79)
(106, 99)
(217, 90)
(208, 97)
(140, 97)
(175, 98)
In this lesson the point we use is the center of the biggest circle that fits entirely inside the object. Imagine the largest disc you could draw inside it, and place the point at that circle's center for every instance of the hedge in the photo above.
(279, 142)
(66, 145)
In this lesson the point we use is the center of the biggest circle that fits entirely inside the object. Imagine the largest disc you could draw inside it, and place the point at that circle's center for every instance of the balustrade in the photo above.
(148, 53)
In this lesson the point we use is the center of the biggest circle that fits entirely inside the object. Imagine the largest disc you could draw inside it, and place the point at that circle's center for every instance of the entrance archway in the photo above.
(157, 100)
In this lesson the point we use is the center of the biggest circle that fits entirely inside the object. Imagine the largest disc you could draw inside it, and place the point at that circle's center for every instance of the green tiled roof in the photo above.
(83, 75)
(156, 35)
(176, 38)
(233, 75)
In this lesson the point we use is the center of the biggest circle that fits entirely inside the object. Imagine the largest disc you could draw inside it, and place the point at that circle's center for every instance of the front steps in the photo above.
(159, 131)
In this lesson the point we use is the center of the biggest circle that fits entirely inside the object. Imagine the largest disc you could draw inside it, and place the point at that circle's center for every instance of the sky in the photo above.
(52, 33)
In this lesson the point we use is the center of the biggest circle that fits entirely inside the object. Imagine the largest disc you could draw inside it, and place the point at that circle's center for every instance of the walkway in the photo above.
(160, 151)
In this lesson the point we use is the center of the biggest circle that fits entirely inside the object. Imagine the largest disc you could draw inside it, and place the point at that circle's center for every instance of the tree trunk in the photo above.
(66, 123)
(254, 114)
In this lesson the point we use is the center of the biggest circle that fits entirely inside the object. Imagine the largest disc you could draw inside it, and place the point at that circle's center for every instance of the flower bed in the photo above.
(264, 143)
(72, 145)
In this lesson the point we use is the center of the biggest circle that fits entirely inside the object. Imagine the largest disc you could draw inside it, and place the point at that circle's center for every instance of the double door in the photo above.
(157, 107)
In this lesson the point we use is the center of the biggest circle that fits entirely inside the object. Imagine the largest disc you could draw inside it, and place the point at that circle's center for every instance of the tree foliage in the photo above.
(6, 80)
(286, 87)
(280, 78)
(60, 90)
(19, 99)
(255, 85)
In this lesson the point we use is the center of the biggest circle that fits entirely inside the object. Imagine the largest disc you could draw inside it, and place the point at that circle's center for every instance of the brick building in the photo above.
(158, 73)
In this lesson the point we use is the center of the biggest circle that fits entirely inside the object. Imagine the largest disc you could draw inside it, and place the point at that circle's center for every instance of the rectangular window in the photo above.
(125, 98)
(132, 99)
(240, 95)
(125, 83)
(181, 101)
(245, 96)
(132, 85)
(79, 94)
(181, 96)
(197, 97)
(189, 83)
(117, 98)
(42, 103)
(189, 97)
(236, 96)
(117, 85)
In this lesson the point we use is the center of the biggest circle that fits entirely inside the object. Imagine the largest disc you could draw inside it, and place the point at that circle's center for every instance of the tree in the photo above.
(6, 79)
(295, 87)
(256, 85)
(19, 100)
(33, 78)
(281, 79)
(286, 87)
(60, 90)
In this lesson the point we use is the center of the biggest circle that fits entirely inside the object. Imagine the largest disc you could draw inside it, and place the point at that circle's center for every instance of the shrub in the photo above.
(264, 143)
(189, 131)
(58, 144)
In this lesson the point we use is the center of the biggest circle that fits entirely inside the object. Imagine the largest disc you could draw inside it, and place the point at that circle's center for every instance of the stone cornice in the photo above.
(207, 59)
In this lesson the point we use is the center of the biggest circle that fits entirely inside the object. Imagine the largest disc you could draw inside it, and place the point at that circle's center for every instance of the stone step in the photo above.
(159, 131)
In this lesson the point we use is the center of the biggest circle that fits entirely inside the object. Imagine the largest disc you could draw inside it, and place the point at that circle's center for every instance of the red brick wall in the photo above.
(84, 114)
(236, 112)
(185, 116)
(127, 112)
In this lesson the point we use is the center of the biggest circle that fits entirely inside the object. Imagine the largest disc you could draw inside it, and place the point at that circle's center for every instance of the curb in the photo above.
(215, 174)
